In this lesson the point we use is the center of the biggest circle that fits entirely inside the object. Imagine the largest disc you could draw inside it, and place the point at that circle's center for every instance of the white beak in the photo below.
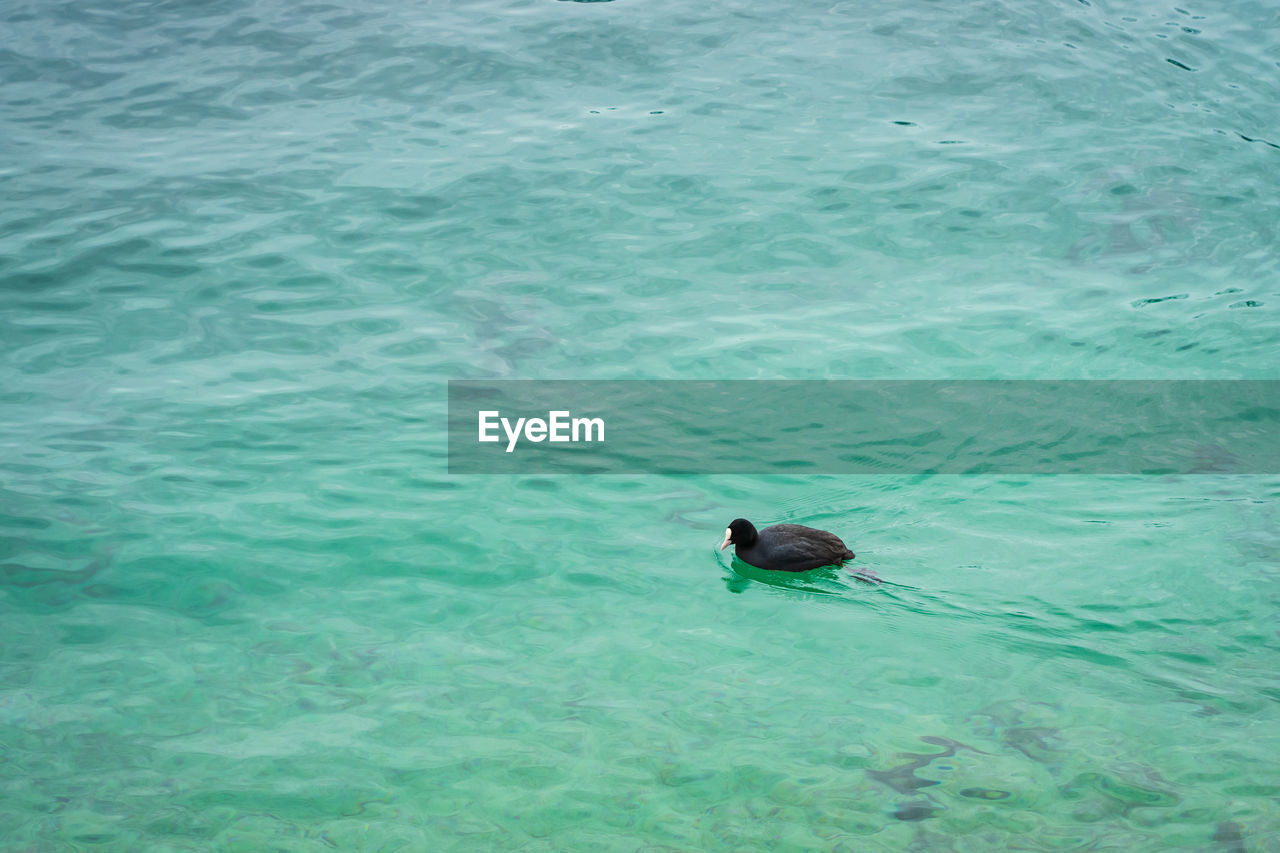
(728, 537)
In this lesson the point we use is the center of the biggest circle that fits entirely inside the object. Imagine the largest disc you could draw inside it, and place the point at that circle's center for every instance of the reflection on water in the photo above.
(244, 245)
(826, 580)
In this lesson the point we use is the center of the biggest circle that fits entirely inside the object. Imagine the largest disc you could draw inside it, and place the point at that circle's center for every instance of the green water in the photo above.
(244, 245)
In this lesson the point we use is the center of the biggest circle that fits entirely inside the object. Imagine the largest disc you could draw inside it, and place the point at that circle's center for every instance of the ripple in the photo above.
(243, 246)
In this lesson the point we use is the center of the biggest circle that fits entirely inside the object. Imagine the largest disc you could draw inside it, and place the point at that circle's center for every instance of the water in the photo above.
(243, 245)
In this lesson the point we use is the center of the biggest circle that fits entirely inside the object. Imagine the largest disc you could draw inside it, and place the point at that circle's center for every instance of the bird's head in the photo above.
(739, 532)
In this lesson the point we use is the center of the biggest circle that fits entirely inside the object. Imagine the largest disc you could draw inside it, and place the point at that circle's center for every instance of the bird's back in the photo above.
(796, 548)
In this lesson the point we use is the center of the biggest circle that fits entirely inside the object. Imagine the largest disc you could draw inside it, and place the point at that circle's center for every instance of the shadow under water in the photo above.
(903, 780)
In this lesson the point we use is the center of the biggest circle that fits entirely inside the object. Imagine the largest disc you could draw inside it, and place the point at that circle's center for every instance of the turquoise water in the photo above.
(244, 245)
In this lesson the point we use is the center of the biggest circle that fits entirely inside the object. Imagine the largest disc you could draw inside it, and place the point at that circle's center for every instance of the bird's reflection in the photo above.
(827, 580)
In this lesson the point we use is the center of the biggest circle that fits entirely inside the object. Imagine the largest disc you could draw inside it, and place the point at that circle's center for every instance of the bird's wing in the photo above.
(812, 536)
(808, 543)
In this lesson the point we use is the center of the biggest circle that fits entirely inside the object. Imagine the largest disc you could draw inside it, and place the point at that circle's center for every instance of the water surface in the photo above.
(244, 245)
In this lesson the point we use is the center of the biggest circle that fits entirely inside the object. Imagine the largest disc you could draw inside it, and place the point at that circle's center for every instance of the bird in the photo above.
(785, 547)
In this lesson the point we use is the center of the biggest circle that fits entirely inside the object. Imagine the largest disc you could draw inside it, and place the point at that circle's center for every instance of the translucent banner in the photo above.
(864, 427)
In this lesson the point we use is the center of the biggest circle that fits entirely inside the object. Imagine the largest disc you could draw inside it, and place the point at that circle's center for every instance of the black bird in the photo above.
(785, 547)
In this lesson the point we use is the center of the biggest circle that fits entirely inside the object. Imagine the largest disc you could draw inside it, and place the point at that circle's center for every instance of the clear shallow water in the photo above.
(243, 245)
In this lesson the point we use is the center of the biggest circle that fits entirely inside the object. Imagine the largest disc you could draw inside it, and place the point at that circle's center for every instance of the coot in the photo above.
(785, 547)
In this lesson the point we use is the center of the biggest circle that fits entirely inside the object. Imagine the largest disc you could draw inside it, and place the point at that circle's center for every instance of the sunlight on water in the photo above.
(243, 245)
